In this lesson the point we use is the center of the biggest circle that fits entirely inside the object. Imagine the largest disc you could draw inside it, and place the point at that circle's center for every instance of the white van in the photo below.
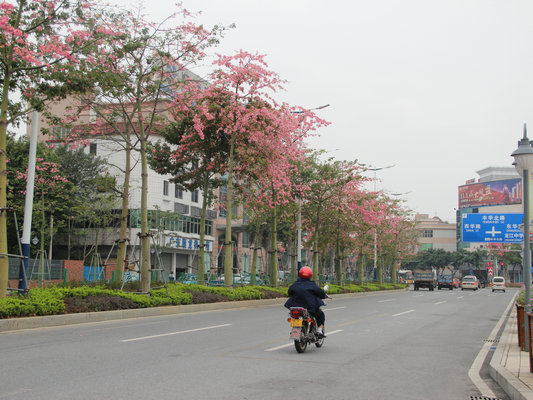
(498, 283)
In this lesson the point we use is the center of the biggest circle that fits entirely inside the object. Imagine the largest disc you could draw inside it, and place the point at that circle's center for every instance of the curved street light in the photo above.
(299, 239)
(523, 162)
(376, 169)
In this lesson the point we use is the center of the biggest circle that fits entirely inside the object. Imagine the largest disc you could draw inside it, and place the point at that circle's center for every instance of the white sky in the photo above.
(440, 89)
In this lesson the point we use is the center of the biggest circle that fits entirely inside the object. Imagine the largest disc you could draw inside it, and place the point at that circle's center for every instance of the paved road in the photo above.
(402, 345)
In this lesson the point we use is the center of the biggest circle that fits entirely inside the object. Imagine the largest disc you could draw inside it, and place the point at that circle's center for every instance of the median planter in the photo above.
(521, 328)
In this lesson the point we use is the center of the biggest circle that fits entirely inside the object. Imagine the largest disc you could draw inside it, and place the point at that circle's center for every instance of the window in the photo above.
(194, 196)
(246, 239)
(60, 132)
(92, 148)
(165, 188)
(428, 233)
(178, 193)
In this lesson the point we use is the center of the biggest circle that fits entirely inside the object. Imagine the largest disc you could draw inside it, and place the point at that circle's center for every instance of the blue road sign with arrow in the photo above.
(492, 228)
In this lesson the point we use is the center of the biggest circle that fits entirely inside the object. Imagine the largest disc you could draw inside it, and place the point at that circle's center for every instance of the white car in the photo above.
(470, 282)
(498, 283)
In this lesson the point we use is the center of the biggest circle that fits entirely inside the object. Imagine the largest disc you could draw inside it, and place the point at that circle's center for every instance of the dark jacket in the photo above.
(307, 294)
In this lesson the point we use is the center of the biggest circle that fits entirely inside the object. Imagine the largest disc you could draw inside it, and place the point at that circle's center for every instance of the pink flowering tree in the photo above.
(325, 180)
(132, 101)
(46, 49)
(194, 152)
(244, 85)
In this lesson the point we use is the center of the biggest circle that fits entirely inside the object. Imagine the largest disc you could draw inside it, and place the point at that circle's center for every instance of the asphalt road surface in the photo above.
(401, 345)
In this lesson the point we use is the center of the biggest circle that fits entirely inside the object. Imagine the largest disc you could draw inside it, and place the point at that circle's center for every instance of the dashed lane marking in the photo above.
(174, 333)
(403, 313)
(331, 309)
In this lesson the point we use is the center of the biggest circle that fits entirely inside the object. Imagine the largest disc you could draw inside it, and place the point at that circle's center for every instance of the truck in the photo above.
(427, 279)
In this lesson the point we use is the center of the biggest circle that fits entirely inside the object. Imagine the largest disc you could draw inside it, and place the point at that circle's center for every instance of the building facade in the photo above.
(433, 233)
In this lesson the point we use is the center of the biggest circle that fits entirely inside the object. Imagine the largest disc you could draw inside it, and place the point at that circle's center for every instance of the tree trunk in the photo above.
(361, 261)
(121, 253)
(228, 260)
(274, 248)
(315, 250)
(254, 254)
(145, 234)
(201, 253)
(4, 263)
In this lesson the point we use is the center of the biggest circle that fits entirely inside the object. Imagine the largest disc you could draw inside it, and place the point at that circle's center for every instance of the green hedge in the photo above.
(49, 301)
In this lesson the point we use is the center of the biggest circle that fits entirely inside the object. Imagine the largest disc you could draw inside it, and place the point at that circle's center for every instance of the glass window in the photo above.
(428, 233)
(194, 196)
(178, 193)
(165, 188)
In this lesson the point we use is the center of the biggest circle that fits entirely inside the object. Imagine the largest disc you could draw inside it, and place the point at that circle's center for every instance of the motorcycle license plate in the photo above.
(295, 333)
(296, 322)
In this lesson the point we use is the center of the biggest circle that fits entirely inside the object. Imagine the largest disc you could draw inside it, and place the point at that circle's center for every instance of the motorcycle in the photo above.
(303, 329)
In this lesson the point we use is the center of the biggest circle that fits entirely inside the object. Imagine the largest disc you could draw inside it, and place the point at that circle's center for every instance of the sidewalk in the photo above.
(509, 365)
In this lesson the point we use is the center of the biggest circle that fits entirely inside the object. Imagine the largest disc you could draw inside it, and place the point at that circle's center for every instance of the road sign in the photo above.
(492, 228)
(489, 271)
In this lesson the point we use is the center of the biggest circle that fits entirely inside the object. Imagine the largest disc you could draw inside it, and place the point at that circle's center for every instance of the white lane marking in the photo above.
(14, 392)
(440, 302)
(460, 297)
(420, 295)
(335, 308)
(174, 333)
(402, 313)
(475, 369)
(292, 344)
(384, 301)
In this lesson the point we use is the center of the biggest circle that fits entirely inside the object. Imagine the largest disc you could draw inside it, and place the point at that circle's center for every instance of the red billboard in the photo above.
(493, 193)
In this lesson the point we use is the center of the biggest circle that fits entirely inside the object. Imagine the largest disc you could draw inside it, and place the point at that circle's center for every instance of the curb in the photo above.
(509, 382)
(14, 324)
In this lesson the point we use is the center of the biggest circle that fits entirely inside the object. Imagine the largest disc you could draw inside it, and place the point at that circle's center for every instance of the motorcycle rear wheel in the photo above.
(301, 344)
(319, 342)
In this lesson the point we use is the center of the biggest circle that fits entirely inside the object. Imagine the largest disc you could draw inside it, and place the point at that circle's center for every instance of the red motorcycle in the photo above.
(303, 329)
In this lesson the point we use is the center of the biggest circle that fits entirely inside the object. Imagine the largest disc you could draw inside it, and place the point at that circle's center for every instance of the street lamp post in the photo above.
(375, 228)
(523, 162)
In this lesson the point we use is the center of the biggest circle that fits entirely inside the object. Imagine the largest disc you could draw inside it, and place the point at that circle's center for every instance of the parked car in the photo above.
(456, 283)
(445, 281)
(498, 283)
(470, 282)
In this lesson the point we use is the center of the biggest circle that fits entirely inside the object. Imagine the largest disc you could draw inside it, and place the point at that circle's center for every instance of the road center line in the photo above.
(174, 333)
(384, 301)
(440, 302)
(292, 344)
(402, 313)
(460, 297)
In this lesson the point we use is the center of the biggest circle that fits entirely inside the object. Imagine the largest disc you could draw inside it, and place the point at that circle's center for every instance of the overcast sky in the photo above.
(440, 89)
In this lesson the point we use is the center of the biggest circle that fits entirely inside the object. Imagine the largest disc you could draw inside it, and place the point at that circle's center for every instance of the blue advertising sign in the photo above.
(492, 228)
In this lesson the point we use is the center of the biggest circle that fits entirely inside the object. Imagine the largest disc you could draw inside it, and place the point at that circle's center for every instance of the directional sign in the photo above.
(492, 228)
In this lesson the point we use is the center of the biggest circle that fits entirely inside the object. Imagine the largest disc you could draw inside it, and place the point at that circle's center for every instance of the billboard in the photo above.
(495, 193)
(492, 228)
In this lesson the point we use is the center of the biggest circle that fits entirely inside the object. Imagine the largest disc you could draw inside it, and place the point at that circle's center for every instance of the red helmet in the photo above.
(305, 273)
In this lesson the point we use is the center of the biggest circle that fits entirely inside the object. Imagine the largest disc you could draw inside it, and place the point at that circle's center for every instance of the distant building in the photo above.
(435, 233)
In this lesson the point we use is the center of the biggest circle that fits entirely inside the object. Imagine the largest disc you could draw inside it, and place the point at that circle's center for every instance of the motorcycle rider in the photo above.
(307, 294)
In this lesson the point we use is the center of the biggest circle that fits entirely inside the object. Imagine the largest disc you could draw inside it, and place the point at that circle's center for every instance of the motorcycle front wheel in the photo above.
(319, 342)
